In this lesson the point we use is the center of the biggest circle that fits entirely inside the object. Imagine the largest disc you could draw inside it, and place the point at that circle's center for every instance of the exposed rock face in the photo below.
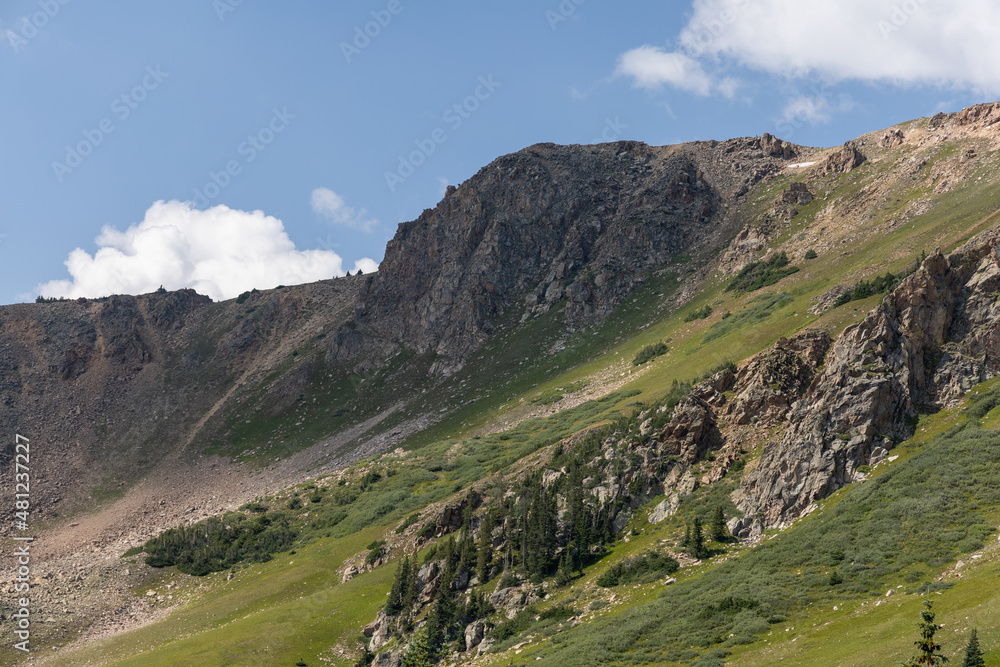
(928, 342)
(892, 138)
(692, 431)
(798, 194)
(551, 224)
(847, 159)
(474, 634)
(769, 383)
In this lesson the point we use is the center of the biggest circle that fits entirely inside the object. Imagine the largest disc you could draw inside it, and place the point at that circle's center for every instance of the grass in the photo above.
(905, 524)
(287, 613)
(231, 628)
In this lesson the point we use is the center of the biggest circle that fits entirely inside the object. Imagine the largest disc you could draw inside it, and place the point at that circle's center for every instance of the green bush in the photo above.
(699, 314)
(642, 569)
(757, 275)
(811, 254)
(650, 352)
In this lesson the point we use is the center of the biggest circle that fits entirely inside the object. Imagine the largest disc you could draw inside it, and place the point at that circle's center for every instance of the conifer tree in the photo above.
(697, 547)
(973, 654)
(484, 557)
(717, 528)
(400, 588)
(418, 653)
(928, 651)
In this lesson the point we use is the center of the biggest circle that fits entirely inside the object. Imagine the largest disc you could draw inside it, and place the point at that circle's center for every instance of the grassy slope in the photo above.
(227, 621)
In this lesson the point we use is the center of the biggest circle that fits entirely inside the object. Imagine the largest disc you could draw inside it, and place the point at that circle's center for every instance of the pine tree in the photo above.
(400, 588)
(718, 529)
(484, 557)
(418, 653)
(697, 548)
(928, 651)
(973, 654)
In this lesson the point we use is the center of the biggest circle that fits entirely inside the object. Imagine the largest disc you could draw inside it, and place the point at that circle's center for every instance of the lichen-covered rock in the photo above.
(934, 337)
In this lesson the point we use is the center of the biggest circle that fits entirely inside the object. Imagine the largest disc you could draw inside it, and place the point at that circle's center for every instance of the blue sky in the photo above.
(291, 117)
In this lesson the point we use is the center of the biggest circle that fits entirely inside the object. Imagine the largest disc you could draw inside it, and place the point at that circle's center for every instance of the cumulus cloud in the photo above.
(946, 43)
(331, 206)
(220, 252)
(815, 109)
(366, 265)
(651, 67)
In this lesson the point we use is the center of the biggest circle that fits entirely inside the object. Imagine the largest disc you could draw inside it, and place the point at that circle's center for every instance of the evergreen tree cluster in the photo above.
(537, 528)
(217, 544)
(878, 285)
(757, 275)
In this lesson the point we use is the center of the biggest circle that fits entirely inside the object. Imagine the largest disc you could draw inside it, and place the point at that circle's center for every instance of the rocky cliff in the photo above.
(930, 341)
(552, 225)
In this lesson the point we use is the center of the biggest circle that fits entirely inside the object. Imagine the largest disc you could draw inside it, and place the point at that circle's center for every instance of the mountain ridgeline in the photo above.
(588, 367)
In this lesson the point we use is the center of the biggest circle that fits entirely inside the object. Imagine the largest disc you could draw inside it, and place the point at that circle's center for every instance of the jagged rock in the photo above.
(388, 659)
(892, 138)
(745, 528)
(565, 216)
(777, 148)
(845, 160)
(797, 194)
(427, 581)
(828, 299)
(380, 631)
(665, 509)
(550, 476)
(621, 520)
(474, 634)
(769, 383)
(510, 600)
(935, 336)
(691, 431)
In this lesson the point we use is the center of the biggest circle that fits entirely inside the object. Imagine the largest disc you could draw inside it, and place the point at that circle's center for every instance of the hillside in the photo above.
(554, 371)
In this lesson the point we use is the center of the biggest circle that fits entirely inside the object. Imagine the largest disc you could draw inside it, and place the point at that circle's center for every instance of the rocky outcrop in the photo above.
(928, 342)
(768, 384)
(797, 194)
(692, 431)
(846, 159)
(574, 225)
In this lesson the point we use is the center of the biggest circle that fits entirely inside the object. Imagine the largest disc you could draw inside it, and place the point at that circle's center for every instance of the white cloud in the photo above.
(328, 204)
(815, 109)
(650, 67)
(949, 44)
(220, 252)
(367, 265)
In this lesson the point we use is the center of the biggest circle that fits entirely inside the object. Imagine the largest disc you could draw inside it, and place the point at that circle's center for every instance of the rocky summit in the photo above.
(611, 404)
